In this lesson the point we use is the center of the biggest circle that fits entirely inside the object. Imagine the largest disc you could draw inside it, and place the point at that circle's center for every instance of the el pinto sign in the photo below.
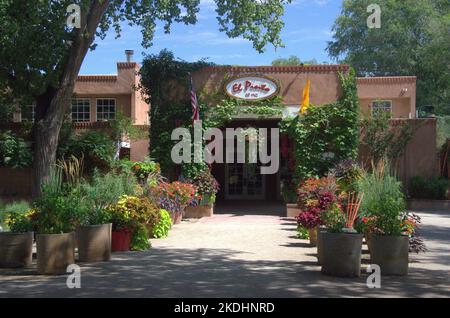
(251, 87)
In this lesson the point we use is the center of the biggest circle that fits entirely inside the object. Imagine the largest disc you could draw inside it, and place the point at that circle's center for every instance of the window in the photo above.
(29, 113)
(81, 110)
(106, 109)
(381, 105)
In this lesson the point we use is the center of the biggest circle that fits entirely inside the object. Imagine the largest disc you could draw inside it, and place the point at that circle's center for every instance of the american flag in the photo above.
(194, 103)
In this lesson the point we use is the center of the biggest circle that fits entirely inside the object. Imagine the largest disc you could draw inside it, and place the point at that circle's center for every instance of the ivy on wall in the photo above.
(165, 80)
(326, 134)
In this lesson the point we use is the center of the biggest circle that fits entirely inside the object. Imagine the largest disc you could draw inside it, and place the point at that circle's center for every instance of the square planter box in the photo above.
(199, 211)
(292, 210)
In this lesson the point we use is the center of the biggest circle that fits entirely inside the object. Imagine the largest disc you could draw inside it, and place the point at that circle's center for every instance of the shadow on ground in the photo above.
(213, 273)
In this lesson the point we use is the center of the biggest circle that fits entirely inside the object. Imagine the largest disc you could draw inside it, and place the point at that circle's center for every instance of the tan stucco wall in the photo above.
(121, 86)
(325, 86)
(400, 90)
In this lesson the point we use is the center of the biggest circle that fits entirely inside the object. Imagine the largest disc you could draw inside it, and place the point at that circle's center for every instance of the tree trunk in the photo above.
(52, 106)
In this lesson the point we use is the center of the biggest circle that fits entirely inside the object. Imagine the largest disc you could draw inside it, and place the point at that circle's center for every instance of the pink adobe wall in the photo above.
(400, 90)
(120, 86)
(324, 79)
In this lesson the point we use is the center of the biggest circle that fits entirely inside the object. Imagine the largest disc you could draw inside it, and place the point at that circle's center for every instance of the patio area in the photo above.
(239, 255)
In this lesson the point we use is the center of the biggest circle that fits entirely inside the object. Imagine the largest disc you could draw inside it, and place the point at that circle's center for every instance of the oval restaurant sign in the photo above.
(251, 87)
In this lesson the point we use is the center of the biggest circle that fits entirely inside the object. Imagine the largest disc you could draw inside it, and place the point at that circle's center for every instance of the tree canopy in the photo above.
(413, 40)
(41, 55)
(292, 60)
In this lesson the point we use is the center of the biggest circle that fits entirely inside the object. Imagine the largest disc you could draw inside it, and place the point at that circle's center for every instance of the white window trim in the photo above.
(381, 100)
(90, 108)
(96, 105)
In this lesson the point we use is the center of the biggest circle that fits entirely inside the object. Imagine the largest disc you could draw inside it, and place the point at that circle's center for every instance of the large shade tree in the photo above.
(40, 55)
(414, 39)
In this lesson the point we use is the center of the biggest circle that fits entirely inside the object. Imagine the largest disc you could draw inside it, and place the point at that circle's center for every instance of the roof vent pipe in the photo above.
(129, 54)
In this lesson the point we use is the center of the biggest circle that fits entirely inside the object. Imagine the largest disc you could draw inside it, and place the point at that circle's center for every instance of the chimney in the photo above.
(129, 54)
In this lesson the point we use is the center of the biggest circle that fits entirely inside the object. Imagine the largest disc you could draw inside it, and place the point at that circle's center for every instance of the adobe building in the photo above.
(242, 181)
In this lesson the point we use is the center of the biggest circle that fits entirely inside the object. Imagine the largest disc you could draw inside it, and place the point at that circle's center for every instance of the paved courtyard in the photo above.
(243, 252)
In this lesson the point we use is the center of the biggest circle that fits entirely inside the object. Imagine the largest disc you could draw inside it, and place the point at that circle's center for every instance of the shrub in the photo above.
(102, 191)
(315, 197)
(19, 222)
(302, 232)
(11, 211)
(383, 202)
(97, 148)
(161, 229)
(132, 212)
(432, 188)
(173, 197)
(206, 185)
(14, 151)
(140, 239)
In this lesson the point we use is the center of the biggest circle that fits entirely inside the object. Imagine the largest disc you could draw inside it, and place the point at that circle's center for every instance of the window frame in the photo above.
(96, 107)
(71, 109)
(372, 108)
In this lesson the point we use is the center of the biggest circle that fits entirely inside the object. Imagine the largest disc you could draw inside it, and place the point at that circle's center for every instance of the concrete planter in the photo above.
(292, 210)
(199, 211)
(341, 254)
(94, 243)
(55, 252)
(16, 249)
(390, 253)
(313, 236)
(320, 245)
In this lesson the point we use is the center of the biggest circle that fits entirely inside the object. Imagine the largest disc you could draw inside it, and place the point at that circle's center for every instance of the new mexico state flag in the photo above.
(305, 98)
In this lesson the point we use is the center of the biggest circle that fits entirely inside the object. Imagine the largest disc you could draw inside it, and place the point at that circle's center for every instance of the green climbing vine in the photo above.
(326, 134)
(165, 80)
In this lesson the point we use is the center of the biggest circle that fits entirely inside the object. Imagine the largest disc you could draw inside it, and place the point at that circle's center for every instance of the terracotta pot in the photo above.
(391, 253)
(292, 210)
(199, 211)
(55, 252)
(313, 236)
(341, 255)
(94, 243)
(16, 249)
(121, 241)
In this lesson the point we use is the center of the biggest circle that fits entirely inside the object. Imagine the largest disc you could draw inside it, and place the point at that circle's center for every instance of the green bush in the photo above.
(102, 191)
(383, 200)
(161, 229)
(302, 232)
(431, 188)
(97, 148)
(140, 240)
(14, 151)
(14, 217)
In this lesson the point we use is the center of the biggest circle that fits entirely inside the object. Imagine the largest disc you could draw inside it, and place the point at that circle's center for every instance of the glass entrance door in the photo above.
(244, 181)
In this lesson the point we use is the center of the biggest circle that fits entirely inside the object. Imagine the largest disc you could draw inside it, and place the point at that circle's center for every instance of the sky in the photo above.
(307, 30)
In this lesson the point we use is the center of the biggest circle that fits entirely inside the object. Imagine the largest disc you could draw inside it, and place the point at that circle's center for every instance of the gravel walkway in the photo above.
(232, 255)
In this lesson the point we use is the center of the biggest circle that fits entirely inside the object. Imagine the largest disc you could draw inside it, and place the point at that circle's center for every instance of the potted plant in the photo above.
(289, 195)
(132, 219)
(384, 206)
(341, 244)
(16, 246)
(55, 221)
(173, 197)
(313, 197)
(203, 203)
(162, 227)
